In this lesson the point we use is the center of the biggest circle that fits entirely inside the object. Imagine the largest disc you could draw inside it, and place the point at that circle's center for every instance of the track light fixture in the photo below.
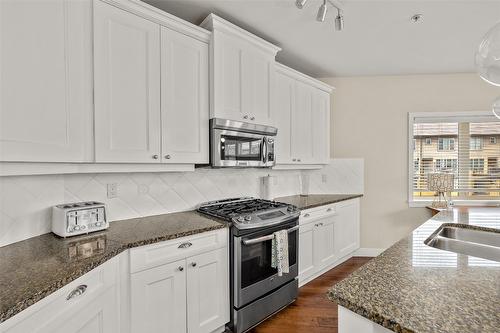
(322, 12)
(300, 3)
(323, 9)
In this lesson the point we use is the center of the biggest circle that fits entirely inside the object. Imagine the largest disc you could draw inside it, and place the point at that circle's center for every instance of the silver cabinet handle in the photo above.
(77, 291)
(181, 268)
(329, 210)
(245, 117)
(193, 264)
(155, 157)
(185, 245)
(252, 118)
(306, 215)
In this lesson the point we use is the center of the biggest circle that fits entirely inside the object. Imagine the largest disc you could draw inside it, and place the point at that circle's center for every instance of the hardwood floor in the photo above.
(312, 312)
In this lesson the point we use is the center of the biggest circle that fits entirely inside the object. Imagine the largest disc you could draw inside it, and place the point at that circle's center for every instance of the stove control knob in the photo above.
(240, 219)
(290, 208)
(248, 218)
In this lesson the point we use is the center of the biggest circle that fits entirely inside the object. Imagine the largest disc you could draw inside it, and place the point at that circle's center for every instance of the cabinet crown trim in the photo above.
(213, 22)
(303, 77)
(161, 17)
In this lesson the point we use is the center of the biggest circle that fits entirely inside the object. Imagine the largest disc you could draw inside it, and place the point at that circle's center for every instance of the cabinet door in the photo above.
(320, 114)
(185, 105)
(301, 136)
(347, 228)
(324, 242)
(228, 76)
(207, 291)
(306, 251)
(127, 86)
(158, 299)
(257, 82)
(284, 103)
(45, 81)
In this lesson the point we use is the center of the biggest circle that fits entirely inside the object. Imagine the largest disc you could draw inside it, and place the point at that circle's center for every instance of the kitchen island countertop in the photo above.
(412, 287)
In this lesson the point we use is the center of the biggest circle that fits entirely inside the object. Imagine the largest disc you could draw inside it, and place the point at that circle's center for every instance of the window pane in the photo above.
(468, 150)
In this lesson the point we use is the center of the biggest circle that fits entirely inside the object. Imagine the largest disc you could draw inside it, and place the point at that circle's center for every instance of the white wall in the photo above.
(369, 120)
(25, 201)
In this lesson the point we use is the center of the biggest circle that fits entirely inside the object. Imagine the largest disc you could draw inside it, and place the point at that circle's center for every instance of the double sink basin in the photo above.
(477, 243)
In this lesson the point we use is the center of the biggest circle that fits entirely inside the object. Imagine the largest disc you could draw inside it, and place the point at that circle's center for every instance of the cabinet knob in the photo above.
(167, 157)
(252, 118)
(245, 117)
(294, 160)
(77, 292)
(306, 215)
(155, 157)
(329, 210)
(193, 264)
(181, 268)
(298, 160)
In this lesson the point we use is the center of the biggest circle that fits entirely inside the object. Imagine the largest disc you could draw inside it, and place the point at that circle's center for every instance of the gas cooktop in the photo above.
(249, 213)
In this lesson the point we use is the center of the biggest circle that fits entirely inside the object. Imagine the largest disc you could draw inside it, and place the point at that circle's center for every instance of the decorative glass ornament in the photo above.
(488, 56)
(496, 108)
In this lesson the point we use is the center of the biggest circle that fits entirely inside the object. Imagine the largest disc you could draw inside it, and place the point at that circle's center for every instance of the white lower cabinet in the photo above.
(327, 235)
(94, 310)
(189, 294)
(158, 299)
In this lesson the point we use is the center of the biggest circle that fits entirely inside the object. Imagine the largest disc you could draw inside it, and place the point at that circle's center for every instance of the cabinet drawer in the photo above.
(57, 308)
(312, 214)
(149, 256)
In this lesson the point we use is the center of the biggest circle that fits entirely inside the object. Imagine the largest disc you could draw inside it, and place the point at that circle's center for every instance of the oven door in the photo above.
(253, 274)
(237, 149)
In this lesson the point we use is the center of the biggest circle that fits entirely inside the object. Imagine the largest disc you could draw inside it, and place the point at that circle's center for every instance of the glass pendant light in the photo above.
(496, 108)
(488, 56)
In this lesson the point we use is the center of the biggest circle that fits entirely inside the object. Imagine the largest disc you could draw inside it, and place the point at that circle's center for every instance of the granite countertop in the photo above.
(412, 287)
(315, 200)
(35, 268)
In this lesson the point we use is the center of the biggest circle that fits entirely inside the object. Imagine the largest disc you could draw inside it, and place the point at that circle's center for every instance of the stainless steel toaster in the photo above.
(79, 218)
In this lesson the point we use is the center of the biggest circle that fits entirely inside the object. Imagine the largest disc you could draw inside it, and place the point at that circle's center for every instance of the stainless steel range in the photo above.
(257, 291)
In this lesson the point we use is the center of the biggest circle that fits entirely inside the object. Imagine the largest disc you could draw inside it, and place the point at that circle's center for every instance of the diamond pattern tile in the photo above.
(25, 202)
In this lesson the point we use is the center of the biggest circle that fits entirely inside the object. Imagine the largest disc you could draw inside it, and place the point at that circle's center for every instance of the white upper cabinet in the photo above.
(302, 112)
(127, 86)
(185, 98)
(242, 68)
(45, 81)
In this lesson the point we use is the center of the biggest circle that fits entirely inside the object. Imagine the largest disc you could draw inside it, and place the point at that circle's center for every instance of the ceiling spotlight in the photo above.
(339, 21)
(322, 12)
(300, 3)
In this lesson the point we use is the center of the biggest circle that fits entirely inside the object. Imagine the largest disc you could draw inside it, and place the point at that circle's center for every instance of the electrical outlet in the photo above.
(143, 189)
(112, 190)
(323, 178)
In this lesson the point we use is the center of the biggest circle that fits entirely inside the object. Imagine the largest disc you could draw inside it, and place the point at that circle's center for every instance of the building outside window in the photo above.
(476, 143)
(446, 144)
(464, 144)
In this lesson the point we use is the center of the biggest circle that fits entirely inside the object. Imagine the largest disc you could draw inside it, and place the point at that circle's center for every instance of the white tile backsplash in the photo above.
(26, 201)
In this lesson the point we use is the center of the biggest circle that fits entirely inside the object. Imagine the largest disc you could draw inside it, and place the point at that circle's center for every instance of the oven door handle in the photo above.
(265, 238)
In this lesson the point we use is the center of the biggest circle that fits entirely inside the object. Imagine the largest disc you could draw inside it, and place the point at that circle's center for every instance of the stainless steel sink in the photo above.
(477, 243)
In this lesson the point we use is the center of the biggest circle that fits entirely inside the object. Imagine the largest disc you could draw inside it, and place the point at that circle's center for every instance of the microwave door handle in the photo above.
(266, 238)
(264, 150)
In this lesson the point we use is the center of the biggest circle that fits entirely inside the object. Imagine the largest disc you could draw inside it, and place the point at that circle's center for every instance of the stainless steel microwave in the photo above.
(240, 144)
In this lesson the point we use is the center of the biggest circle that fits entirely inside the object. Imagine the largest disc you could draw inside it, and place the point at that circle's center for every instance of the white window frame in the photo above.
(436, 115)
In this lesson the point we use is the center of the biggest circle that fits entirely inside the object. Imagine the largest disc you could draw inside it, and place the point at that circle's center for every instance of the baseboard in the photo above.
(368, 252)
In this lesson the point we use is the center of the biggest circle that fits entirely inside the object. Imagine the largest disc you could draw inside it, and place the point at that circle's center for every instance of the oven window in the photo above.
(256, 260)
(240, 148)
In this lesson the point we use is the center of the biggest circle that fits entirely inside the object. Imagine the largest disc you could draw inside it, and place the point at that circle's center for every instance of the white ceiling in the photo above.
(378, 38)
